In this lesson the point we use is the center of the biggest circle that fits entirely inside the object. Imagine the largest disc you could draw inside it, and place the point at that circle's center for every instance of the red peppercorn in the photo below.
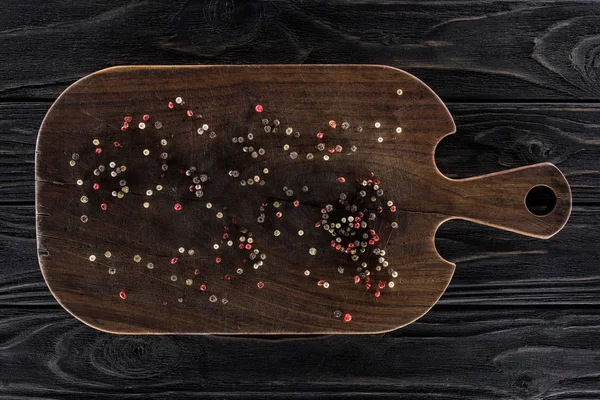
(177, 207)
(146, 117)
(103, 206)
(377, 293)
(98, 150)
(347, 317)
(174, 260)
(260, 285)
(123, 295)
(171, 105)
(203, 287)
(96, 186)
(258, 108)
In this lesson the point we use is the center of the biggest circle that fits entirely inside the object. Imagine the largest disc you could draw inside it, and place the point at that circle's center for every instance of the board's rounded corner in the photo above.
(47, 281)
(450, 119)
(439, 295)
(81, 80)
(85, 321)
(57, 103)
(98, 327)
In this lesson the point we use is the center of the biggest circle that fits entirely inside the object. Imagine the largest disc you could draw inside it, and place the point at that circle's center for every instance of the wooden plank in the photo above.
(490, 137)
(492, 49)
(456, 352)
(494, 268)
(19, 125)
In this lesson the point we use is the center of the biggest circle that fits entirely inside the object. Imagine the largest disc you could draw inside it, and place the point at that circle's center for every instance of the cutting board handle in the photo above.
(501, 200)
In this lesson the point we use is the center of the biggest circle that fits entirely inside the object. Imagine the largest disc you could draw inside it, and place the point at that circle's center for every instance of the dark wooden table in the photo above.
(521, 318)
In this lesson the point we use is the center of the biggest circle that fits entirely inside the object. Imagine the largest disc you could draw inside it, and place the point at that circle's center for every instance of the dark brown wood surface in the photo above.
(322, 135)
(526, 309)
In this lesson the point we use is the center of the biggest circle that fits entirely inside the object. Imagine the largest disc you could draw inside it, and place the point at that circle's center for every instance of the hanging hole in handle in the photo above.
(540, 200)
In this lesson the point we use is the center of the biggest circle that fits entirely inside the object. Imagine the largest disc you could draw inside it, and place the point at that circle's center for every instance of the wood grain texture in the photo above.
(171, 297)
(542, 291)
(490, 138)
(534, 299)
(490, 49)
(526, 353)
(494, 267)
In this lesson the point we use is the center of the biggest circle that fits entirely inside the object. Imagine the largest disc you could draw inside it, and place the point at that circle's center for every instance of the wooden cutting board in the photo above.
(259, 199)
